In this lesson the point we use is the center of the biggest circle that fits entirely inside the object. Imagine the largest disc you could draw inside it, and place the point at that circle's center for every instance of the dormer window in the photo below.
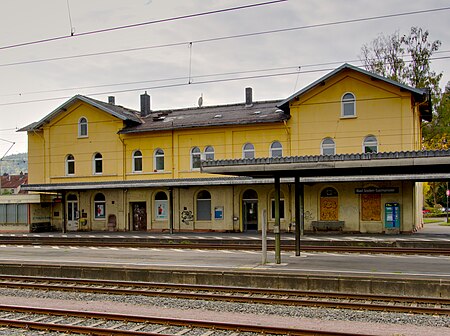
(82, 128)
(348, 105)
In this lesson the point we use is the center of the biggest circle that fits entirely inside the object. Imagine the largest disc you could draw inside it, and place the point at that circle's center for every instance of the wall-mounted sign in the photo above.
(218, 212)
(373, 190)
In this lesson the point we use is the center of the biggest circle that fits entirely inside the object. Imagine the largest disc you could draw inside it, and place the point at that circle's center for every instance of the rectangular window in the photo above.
(137, 164)
(281, 209)
(159, 163)
(22, 213)
(11, 213)
(203, 209)
(98, 166)
(2, 213)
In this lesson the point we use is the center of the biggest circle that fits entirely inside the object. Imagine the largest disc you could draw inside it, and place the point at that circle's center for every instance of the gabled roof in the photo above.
(119, 112)
(13, 181)
(220, 115)
(421, 95)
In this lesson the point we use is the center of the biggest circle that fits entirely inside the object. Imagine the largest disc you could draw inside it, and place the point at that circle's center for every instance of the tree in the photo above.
(386, 55)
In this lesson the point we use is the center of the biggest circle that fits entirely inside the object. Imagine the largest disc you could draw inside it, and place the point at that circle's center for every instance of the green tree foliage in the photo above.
(14, 164)
(407, 59)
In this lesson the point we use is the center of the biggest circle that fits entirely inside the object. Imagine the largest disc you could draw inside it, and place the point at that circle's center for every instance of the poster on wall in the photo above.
(100, 210)
(161, 209)
(218, 212)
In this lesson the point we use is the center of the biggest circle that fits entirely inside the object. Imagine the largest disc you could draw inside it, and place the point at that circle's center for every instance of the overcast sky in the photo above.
(36, 86)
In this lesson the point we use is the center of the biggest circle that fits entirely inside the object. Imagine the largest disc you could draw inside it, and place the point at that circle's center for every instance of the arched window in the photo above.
(203, 205)
(99, 206)
(98, 163)
(82, 127)
(70, 165)
(195, 158)
(276, 149)
(137, 161)
(348, 105)
(161, 205)
(248, 151)
(158, 160)
(209, 153)
(328, 147)
(370, 144)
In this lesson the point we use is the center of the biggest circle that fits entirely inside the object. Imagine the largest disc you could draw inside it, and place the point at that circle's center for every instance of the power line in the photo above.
(296, 72)
(176, 18)
(214, 39)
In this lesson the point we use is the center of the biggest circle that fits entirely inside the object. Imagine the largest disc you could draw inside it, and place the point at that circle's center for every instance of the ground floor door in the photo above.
(250, 215)
(139, 214)
(72, 213)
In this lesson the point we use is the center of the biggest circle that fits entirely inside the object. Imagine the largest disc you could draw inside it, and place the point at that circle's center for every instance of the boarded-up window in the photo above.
(371, 207)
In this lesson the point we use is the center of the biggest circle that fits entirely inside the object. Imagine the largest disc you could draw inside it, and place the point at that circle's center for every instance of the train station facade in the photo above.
(107, 167)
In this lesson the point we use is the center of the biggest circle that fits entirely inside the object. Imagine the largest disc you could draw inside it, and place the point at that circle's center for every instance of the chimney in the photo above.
(112, 100)
(248, 97)
(145, 104)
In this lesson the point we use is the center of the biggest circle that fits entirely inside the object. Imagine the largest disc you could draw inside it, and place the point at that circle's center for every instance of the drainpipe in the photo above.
(276, 228)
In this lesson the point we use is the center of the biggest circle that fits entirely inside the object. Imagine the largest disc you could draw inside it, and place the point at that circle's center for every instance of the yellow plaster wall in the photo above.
(381, 110)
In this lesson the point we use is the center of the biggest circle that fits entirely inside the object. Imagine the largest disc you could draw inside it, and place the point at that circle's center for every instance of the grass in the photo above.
(444, 224)
(431, 220)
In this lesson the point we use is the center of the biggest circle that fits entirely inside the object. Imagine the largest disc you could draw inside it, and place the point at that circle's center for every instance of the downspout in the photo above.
(288, 132)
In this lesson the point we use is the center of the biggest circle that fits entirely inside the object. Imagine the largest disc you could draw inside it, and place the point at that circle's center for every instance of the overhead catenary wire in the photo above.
(220, 38)
(175, 18)
(296, 72)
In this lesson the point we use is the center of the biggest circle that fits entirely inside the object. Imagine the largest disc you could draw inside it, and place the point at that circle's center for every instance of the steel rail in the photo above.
(244, 245)
(239, 327)
(284, 297)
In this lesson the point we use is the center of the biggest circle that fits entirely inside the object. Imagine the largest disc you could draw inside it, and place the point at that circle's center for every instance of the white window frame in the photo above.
(209, 153)
(324, 147)
(370, 141)
(346, 102)
(83, 121)
(274, 149)
(195, 157)
(70, 161)
(248, 153)
(94, 162)
(135, 157)
(158, 155)
(102, 204)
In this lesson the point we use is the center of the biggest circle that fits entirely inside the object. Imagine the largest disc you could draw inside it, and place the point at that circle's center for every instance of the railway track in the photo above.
(245, 245)
(101, 323)
(410, 305)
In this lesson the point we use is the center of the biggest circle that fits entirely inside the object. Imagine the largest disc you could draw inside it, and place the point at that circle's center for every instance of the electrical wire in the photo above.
(176, 18)
(228, 37)
(204, 82)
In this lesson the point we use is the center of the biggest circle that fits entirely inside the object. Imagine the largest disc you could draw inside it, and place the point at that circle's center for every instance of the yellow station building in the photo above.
(112, 168)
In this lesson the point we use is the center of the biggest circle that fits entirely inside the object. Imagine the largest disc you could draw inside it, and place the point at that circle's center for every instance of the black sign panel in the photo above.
(373, 190)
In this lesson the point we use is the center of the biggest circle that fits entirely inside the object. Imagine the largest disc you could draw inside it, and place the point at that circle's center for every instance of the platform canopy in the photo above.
(428, 165)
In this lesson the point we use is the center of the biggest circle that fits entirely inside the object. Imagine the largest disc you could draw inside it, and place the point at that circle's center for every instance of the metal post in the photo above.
(264, 237)
(446, 208)
(64, 215)
(276, 228)
(171, 210)
(299, 213)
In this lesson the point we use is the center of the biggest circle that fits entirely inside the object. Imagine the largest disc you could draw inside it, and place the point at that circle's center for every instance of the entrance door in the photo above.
(250, 210)
(139, 211)
(72, 213)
